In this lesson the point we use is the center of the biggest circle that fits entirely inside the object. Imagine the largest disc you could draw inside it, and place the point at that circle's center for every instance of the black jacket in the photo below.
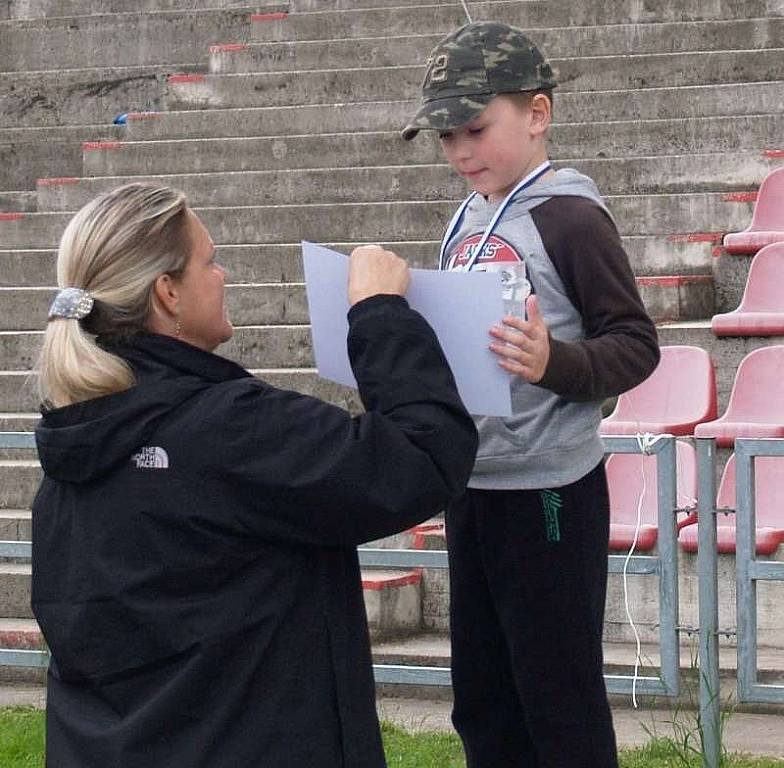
(194, 564)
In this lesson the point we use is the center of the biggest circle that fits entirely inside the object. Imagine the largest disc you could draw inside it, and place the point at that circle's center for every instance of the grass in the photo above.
(22, 746)
(664, 753)
(421, 750)
(21, 738)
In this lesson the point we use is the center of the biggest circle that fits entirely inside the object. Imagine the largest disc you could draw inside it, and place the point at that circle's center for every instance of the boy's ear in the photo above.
(166, 294)
(541, 114)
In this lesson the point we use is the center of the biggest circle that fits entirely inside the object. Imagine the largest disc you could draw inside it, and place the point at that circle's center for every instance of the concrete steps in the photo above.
(18, 201)
(392, 602)
(304, 6)
(280, 89)
(15, 525)
(74, 97)
(21, 267)
(20, 480)
(433, 649)
(37, 9)
(727, 172)
(285, 304)
(155, 37)
(294, 120)
(250, 263)
(16, 422)
(381, 221)
(667, 297)
(281, 262)
(707, 150)
(249, 119)
(22, 635)
(559, 42)
(281, 354)
(18, 392)
(29, 154)
(248, 304)
(583, 81)
(15, 591)
(715, 153)
(530, 15)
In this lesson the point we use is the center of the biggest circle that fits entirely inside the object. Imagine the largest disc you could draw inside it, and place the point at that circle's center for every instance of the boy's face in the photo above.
(500, 146)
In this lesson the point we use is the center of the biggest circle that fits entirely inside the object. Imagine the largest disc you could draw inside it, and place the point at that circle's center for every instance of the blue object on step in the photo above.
(121, 119)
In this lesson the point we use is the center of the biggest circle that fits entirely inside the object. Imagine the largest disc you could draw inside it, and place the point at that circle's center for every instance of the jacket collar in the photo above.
(152, 355)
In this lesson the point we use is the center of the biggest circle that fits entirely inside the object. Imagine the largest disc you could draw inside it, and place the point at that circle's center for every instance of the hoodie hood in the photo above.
(564, 182)
(81, 442)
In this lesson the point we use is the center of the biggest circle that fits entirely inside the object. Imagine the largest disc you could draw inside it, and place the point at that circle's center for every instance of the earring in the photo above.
(177, 328)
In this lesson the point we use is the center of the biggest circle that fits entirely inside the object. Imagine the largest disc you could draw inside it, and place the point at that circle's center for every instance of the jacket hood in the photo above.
(564, 182)
(80, 442)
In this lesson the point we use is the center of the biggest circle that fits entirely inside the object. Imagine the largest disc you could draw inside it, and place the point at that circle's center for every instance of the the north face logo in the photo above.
(151, 457)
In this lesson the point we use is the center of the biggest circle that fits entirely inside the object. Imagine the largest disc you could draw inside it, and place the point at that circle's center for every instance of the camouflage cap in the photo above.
(470, 67)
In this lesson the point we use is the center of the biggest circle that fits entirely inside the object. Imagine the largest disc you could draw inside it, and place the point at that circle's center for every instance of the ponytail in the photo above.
(74, 368)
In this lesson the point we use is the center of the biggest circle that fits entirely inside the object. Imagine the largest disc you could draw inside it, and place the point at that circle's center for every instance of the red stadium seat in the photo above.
(678, 395)
(761, 311)
(767, 223)
(625, 483)
(756, 407)
(769, 512)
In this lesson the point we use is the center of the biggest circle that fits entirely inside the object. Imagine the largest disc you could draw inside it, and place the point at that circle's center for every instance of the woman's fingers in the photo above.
(374, 270)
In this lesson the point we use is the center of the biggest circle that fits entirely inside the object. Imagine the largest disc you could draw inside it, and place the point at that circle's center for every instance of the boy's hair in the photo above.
(525, 98)
(470, 67)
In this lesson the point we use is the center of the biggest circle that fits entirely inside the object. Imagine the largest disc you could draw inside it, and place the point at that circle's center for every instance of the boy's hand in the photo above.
(373, 270)
(526, 350)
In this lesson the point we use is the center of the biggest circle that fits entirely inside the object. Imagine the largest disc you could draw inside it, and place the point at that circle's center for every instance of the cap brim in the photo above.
(446, 114)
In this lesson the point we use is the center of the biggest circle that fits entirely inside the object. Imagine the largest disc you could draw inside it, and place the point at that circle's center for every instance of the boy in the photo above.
(528, 541)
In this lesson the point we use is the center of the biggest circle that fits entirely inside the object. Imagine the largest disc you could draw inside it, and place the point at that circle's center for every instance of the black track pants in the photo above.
(528, 576)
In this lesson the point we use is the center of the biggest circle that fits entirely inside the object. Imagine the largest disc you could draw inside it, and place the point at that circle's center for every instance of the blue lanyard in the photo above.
(457, 219)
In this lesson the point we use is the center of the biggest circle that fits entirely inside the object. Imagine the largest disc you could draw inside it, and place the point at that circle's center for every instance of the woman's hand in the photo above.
(373, 270)
(524, 345)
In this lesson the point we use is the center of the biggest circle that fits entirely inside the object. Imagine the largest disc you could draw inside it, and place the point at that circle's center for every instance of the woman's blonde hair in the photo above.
(114, 248)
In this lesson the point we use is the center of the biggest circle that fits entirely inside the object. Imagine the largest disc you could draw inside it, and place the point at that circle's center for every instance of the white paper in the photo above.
(461, 307)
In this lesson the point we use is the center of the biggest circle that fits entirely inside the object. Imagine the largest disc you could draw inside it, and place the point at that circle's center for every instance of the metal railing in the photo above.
(665, 565)
(22, 550)
(750, 570)
(708, 600)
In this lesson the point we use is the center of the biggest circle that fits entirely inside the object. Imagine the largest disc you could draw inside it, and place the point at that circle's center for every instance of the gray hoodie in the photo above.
(602, 341)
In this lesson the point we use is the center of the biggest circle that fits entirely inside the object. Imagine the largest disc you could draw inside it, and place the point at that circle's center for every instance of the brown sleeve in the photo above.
(621, 346)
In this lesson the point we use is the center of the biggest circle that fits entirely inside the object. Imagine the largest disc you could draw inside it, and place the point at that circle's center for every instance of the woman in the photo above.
(194, 563)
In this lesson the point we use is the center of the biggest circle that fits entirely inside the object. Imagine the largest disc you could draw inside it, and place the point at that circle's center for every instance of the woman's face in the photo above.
(201, 307)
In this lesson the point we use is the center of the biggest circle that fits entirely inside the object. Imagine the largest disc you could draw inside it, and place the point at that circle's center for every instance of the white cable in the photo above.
(645, 442)
(468, 15)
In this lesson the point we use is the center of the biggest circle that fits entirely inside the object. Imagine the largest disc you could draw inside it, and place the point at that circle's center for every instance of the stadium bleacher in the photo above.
(280, 122)
(761, 310)
(756, 407)
(631, 481)
(678, 395)
(767, 223)
(769, 512)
